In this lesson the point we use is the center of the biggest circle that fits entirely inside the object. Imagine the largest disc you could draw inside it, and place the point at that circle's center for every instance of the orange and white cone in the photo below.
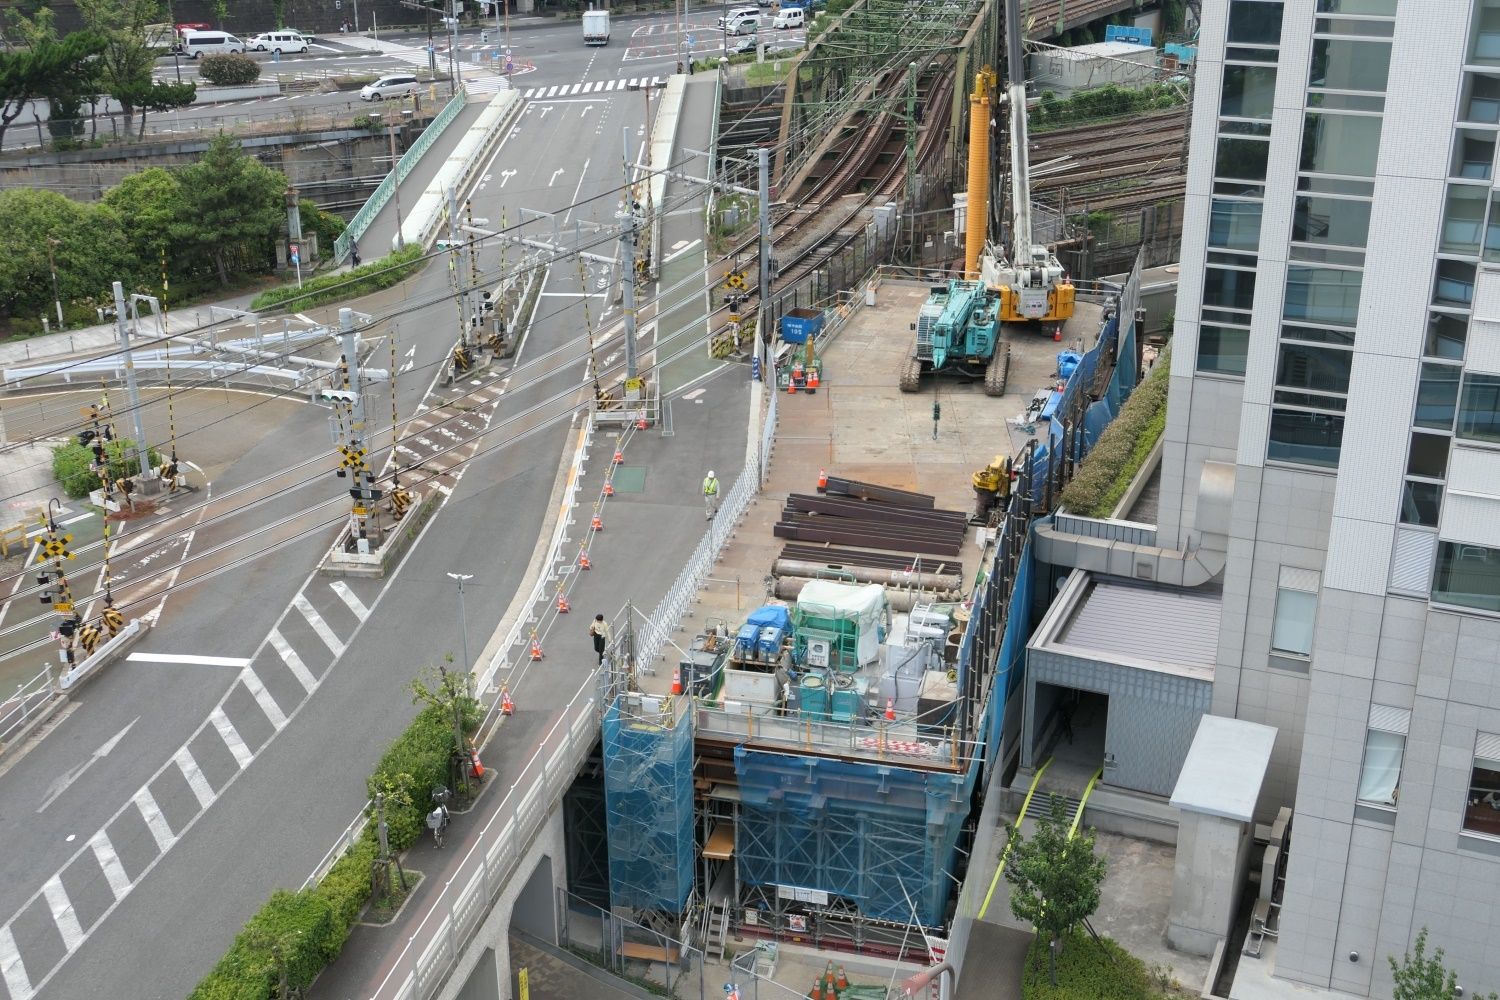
(507, 707)
(640, 424)
(677, 680)
(618, 457)
(822, 480)
(890, 710)
(478, 764)
(609, 488)
(597, 523)
(536, 648)
(563, 607)
(583, 560)
(842, 982)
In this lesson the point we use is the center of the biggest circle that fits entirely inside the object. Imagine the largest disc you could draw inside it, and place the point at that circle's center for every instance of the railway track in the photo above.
(1123, 168)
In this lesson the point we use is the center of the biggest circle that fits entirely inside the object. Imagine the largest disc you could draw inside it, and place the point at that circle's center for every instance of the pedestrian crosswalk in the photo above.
(598, 87)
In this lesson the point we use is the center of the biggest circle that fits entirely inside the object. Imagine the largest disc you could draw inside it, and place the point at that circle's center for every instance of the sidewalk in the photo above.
(635, 558)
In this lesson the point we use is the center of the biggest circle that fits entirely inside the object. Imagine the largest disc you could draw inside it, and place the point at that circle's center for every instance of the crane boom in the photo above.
(1020, 180)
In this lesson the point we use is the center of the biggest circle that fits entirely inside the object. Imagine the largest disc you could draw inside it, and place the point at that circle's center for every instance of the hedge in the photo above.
(73, 465)
(1087, 970)
(1107, 471)
(229, 69)
(362, 280)
(309, 927)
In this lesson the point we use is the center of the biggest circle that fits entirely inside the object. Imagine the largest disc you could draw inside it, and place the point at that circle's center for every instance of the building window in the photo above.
(1454, 284)
(1337, 221)
(1479, 408)
(1222, 349)
(1322, 295)
(1421, 503)
(1249, 92)
(1254, 22)
(1492, 231)
(1234, 225)
(1241, 159)
(1473, 156)
(1467, 576)
(1428, 456)
(1320, 369)
(1226, 289)
(1482, 810)
(1446, 336)
(1484, 45)
(1296, 606)
(1304, 438)
(1340, 144)
(1385, 745)
(1437, 396)
(1463, 219)
(1341, 64)
(1379, 8)
(1482, 105)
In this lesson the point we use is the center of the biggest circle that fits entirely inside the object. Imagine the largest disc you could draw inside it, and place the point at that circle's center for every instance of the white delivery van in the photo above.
(789, 17)
(197, 44)
(279, 41)
(596, 27)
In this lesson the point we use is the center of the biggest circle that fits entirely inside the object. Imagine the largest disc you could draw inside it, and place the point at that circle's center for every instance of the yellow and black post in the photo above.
(355, 449)
(53, 554)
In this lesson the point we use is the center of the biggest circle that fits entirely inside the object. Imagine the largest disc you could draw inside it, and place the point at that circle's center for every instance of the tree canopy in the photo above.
(1054, 877)
(87, 244)
(233, 202)
(1420, 976)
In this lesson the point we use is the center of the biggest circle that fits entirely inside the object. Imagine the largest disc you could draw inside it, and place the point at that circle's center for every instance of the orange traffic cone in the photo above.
(1057, 333)
(478, 764)
(618, 457)
(609, 488)
(640, 424)
(816, 993)
(583, 560)
(890, 710)
(563, 607)
(507, 707)
(597, 523)
(791, 387)
(812, 378)
(822, 480)
(536, 648)
(842, 982)
(677, 680)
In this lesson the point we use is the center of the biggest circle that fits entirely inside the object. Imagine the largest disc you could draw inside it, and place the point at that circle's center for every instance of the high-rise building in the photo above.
(1338, 345)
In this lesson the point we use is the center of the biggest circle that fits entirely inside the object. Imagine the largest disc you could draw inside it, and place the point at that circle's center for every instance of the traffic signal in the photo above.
(67, 627)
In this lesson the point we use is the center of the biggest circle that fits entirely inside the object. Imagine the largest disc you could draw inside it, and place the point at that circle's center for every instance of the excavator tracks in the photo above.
(997, 372)
(911, 375)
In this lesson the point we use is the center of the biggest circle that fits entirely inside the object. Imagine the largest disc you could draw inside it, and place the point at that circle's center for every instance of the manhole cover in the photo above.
(629, 479)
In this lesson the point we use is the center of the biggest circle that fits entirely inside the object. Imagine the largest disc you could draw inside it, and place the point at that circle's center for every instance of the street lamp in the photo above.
(463, 622)
(52, 263)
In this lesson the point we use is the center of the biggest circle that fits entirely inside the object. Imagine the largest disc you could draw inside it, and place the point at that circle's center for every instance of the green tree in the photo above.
(88, 247)
(234, 205)
(150, 207)
(1054, 878)
(42, 71)
(1419, 976)
(126, 58)
(158, 96)
(229, 69)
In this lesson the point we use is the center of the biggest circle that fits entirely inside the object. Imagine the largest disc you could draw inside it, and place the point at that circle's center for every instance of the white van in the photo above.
(196, 44)
(393, 85)
(745, 25)
(789, 17)
(279, 41)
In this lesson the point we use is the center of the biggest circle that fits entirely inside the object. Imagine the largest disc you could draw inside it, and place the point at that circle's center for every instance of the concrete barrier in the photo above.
(663, 140)
(422, 224)
(245, 92)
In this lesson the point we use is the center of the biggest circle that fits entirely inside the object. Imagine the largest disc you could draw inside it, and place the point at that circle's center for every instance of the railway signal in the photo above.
(53, 552)
(363, 527)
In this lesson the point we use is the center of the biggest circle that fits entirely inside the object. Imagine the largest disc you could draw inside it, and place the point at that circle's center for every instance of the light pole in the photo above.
(678, 6)
(396, 186)
(52, 263)
(463, 622)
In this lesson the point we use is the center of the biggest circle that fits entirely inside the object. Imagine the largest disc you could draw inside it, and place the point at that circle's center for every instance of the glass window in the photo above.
(1305, 438)
(1330, 101)
(1342, 64)
(1479, 408)
(1322, 295)
(1222, 349)
(1241, 158)
(1336, 185)
(1428, 455)
(1249, 91)
(1463, 219)
(1380, 8)
(1252, 22)
(1446, 335)
(1473, 156)
(1325, 255)
(1317, 334)
(1492, 231)
(1437, 396)
(1381, 773)
(1468, 576)
(1483, 103)
(1484, 44)
(1228, 289)
(1337, 221)
(1234, 225)
(1321, 369)
(1421, 503)
(1482, 810)
(1340, 144)
(1292, 628)
(1454, 285)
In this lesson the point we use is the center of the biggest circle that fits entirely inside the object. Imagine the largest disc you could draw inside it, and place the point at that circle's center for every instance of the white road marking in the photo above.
(694, 394)
(347, 596)
(66, 781)
(109, 864)
(202, 661)
(678, 253)
(155, 821)
(293, 661)
(550, 92)
(263, 698)
(62, 913)
(333, 642)
(202, 790)
(231, 737)
(555, 173)
(11, 967)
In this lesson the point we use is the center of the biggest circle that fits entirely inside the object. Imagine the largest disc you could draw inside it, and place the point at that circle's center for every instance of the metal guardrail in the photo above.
(408, 162)
(19, 708)
(346, 840)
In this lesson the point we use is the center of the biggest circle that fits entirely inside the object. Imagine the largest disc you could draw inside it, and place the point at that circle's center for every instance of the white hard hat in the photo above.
(710, 473)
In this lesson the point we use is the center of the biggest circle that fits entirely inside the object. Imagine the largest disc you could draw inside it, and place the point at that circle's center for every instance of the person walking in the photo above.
(710, 496)
(599, 629)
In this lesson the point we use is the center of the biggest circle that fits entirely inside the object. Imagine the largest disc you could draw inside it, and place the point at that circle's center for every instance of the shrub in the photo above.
(346, 887)
(73, 465)
(361, 280)
(1086, 970)
(327, 225)
(365, 122)
(229, 70)
(408, 772)
(1107, 470)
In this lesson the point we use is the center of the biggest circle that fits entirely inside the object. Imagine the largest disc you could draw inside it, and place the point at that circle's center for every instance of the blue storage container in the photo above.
(799, 324)
(744, 641)
(769, 646)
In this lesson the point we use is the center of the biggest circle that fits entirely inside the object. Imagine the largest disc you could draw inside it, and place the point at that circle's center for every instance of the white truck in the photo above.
(596, 27)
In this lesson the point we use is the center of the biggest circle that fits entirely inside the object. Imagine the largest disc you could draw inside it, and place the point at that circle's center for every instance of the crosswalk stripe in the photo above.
(319, 626)
(231, 738)
(194, 776)
(109, 864)
(263, 698)
(347, 596)
(293, 661)
(155, 821)
(12, 968)
(550, 92)
(63, 914)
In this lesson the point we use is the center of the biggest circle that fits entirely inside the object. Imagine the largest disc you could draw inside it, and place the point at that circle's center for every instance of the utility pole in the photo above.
(911, 155)
(763, 162)
(143, 467)
(454, 60)
(459, 266)
(56, 296)
(396, 188)
(463, 621)
(354, 450)
(628, 223)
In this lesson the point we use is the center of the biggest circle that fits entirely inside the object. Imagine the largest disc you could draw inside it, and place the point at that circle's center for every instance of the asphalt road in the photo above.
(142, 867)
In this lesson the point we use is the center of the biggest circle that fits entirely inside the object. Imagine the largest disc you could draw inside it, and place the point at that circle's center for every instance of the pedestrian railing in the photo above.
(20, 708)
(408, 162)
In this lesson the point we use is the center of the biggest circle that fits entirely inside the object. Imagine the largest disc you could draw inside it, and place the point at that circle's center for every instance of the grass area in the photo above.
(384, 907)
(1092, 970)
(769, 73)
(340, 285)
(1107, 471)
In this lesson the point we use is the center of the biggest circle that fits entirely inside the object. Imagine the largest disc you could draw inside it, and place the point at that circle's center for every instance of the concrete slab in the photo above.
(1133, 910)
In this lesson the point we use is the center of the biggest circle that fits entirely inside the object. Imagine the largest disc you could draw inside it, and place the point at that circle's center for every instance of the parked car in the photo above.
(284, 40)
(734, 15)
(310, 36)
(739, 45)
(197, 44)
(394, 85)
(791, 17)
(745, 25)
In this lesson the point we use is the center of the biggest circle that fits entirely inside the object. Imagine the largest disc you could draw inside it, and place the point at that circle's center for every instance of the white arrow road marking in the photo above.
(555, 174)
(66, 781)
(506, 175)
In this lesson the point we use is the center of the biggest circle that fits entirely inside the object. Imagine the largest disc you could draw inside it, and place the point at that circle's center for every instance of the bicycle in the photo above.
(437, 820)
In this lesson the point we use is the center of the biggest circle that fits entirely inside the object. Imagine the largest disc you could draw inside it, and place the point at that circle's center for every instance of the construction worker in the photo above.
(710, 496)
(599, 629)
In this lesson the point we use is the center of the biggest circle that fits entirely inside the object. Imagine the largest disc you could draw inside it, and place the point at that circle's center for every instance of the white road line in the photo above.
(347, 596)
(550, 92)
(204, 661)
(109, 864)
(231, 738)
(263, 698)
(674, 255)
(155, 821)
(194, 775)
(611, 85)
(293, 661)
(333, 642)
(62, 913)
(11, 967)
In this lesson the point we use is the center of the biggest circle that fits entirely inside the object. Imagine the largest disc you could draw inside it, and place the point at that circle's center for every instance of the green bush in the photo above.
(1087, 970)
(361, 280)
(328, 226)
(229, 70)
(73, 465)
(346, 887)
(408, 772)
(1100, 103)
(1107, 471)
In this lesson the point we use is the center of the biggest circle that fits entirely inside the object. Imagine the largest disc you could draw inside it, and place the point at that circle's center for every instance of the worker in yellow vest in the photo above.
(710, 496)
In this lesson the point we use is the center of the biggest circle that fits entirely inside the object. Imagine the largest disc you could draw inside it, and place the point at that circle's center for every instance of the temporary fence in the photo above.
(29, 700)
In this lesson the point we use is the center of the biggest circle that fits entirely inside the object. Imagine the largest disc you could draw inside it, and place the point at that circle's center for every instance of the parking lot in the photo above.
(702, 37)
